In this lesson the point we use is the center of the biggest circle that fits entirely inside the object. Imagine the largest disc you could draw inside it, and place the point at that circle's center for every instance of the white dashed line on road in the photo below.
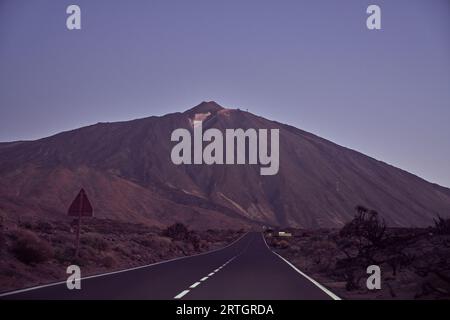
(194, 285)
(183, 293)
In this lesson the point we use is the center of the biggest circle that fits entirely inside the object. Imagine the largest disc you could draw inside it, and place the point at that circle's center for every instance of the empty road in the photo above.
(246, 269)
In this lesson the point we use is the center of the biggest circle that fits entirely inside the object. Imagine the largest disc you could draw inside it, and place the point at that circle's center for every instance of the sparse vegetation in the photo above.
(30, 249)
(415, 262)
(180, 232)
(108, 261)
(366, 229)
(95, 242)
(177, 231)
(38, 251)
(360, 240)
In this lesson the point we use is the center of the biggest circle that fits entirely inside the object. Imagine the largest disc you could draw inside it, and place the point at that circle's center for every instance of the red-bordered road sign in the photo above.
(81, 207)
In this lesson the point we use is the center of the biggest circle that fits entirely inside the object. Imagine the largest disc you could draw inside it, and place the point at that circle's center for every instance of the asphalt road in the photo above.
(246, 269)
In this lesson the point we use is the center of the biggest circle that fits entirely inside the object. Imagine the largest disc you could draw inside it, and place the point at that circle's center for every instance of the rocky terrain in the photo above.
(414, 262)
(37, 251)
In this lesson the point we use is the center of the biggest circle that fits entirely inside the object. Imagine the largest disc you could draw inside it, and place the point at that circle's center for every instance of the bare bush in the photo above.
(360, 240)
(366, 227)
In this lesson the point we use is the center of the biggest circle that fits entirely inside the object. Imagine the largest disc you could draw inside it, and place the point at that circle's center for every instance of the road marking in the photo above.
(317, 284)
(194, 285)
(4, 294)
(181, 295)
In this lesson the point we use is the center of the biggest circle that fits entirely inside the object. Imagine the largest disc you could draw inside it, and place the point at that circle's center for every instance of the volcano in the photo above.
(126, 170)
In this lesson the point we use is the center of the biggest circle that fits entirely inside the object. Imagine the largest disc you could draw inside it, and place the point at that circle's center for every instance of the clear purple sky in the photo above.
(312, 64)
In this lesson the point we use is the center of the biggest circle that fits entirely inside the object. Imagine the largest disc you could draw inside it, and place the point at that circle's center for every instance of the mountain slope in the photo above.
(128, 174)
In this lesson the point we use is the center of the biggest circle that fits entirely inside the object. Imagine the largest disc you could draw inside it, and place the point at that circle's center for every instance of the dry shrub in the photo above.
(180, 232)
(177, 231)
(441, 225)
(281, 244)
(65, 254)
(44, 226)
(366, 228)
(30, 249)
(95, 242)
(108, 261)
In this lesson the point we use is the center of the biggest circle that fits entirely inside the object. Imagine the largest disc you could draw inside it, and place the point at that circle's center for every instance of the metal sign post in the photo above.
(80, 207)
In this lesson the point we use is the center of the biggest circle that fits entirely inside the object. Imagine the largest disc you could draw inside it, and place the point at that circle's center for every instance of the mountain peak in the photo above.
(126, 167)
(205, 107)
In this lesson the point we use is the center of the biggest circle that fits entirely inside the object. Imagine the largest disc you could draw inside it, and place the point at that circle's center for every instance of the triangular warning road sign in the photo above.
(81, 206)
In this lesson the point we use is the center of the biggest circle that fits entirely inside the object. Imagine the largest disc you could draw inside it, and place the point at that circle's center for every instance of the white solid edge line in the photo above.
(328, 292)
(194, 285)
(181, 294)
(4, 294)
(317, 284)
